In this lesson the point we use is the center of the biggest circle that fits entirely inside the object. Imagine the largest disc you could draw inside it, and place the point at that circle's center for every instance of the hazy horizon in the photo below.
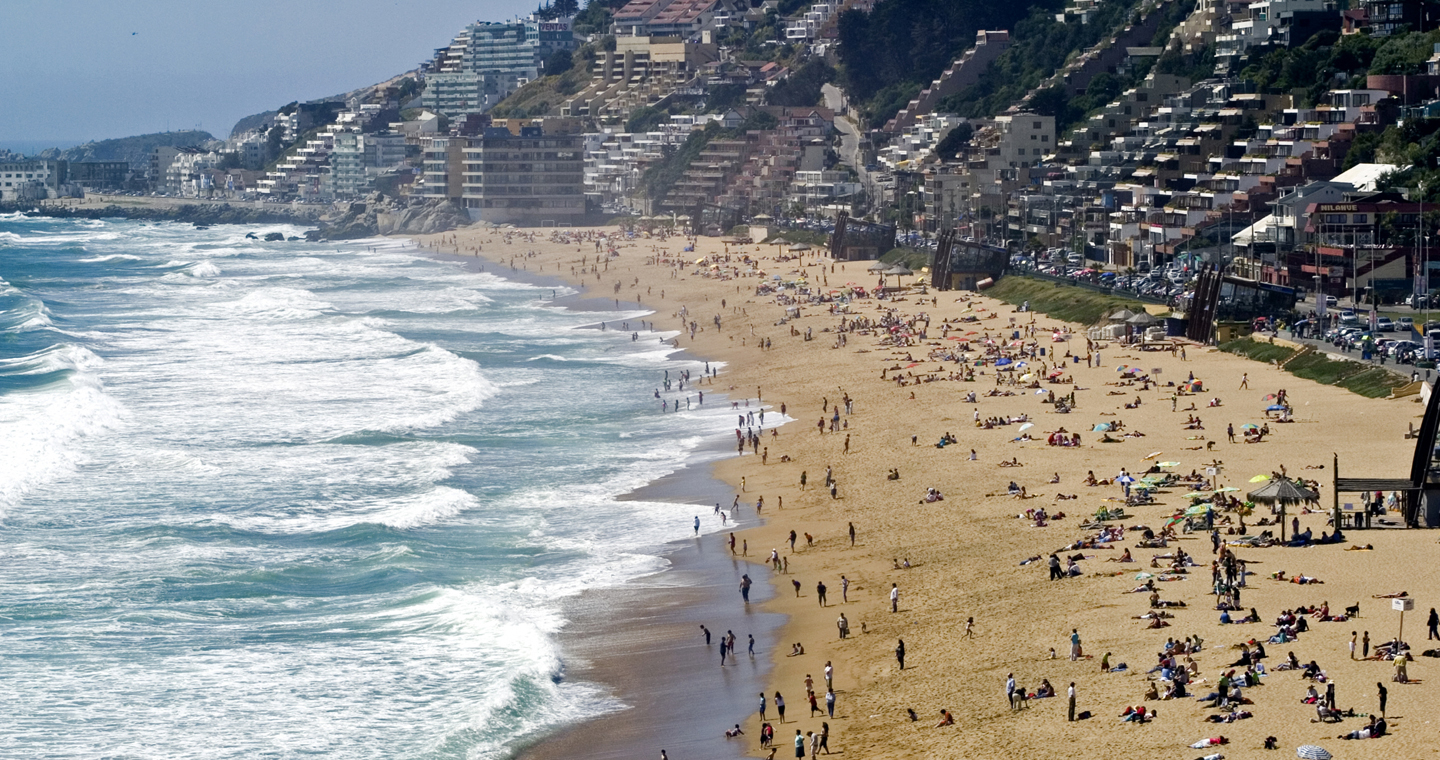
(87, 70)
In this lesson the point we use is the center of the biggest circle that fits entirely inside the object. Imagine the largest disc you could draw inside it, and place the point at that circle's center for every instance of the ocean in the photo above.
(284, 499)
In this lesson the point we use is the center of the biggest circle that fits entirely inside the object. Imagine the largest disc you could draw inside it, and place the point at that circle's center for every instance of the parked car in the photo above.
(1330, 302)
(1405, 324)
(1385, 324)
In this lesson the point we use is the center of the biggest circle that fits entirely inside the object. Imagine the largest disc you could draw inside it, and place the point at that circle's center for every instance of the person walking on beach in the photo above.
(802, 480)
(780, 707)
(970, 628)
(706, 631)
(1384, 695)
(833, 493)
(1434, 623)
(799, 744)
(745, 588)
(852, 534)
(829, 676)
(825, 736)
(1010, 689)
(1365, 646)
(697, 525)
(1071, 695)
(894, 598)
(900, 653)
(1074, 644)
(1055, 572)
(830, 702)
(843, 625)
(762, 706)
(1244, 380)
(844, 590)
(750, 649)
(820, 592)
(1354, 635)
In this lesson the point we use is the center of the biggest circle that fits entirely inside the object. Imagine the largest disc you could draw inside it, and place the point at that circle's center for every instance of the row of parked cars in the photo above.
(1166, 283)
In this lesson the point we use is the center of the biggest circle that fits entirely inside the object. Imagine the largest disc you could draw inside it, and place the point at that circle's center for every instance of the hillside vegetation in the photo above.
(889, 54)
(135, 150)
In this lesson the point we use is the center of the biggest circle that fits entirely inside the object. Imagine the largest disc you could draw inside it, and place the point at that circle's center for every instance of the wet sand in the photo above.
(642, 639)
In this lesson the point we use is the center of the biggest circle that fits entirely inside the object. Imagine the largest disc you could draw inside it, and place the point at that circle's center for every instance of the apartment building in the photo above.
(530, 177)
(640, 71)
(31, 180)
(489, 60)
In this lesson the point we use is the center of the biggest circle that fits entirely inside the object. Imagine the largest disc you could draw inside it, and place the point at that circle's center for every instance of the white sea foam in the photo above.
(111, 257)
(41, 432)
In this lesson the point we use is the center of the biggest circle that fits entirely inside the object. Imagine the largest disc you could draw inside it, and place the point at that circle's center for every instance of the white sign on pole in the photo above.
(1211, 471)
(1402, 605)
(1155, 371)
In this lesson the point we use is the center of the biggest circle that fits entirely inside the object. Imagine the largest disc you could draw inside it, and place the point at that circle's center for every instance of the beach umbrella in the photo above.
(1027, 377)
(1143, 318)
(1312, 752)
(955, 337)
(1002, 362)
(1168, 464)
(1041, 392)
(878, 266)
(1250, 426)
(1120, 368)
(1194, 494)
(800, 247)
(1103, 427)
(1281, 492)
(1153, 454)
(1271, 397)
(1275, 408)
(1122, 315)
(1259, 478)
(1198, 509)
(1125, 479)
(899, 269)
(1056, 373)
(1227, 489)
(1026, 426)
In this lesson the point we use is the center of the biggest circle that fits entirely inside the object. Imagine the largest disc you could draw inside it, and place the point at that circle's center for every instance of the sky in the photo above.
(79, 70)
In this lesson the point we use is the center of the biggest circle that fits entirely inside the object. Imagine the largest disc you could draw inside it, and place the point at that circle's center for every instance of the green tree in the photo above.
(558, 63)
(645, 119)
(954, 140)
(274, 142)
(566, 7)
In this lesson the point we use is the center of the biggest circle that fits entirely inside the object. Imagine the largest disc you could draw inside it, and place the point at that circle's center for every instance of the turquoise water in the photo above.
(292, 499)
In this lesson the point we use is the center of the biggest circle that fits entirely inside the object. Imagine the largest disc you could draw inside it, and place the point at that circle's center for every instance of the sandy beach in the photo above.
(967, 553)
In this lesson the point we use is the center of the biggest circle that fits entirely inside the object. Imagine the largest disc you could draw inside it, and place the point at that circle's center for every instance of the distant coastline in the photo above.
(190, 213)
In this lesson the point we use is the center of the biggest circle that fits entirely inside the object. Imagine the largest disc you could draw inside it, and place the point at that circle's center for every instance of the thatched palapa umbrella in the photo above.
(1284, 493)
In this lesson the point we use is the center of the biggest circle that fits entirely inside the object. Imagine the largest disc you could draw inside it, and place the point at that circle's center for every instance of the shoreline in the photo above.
(650, 657)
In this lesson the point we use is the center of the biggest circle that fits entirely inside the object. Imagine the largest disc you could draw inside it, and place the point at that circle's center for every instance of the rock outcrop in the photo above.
(378, 215)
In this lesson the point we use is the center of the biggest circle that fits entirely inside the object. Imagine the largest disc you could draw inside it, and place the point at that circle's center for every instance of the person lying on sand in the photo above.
(1397, 595)
(1357, 548)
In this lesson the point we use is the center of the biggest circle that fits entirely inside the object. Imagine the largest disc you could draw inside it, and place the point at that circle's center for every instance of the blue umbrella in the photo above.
(1275, 408)
(1103, 427)
(1002, 362)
